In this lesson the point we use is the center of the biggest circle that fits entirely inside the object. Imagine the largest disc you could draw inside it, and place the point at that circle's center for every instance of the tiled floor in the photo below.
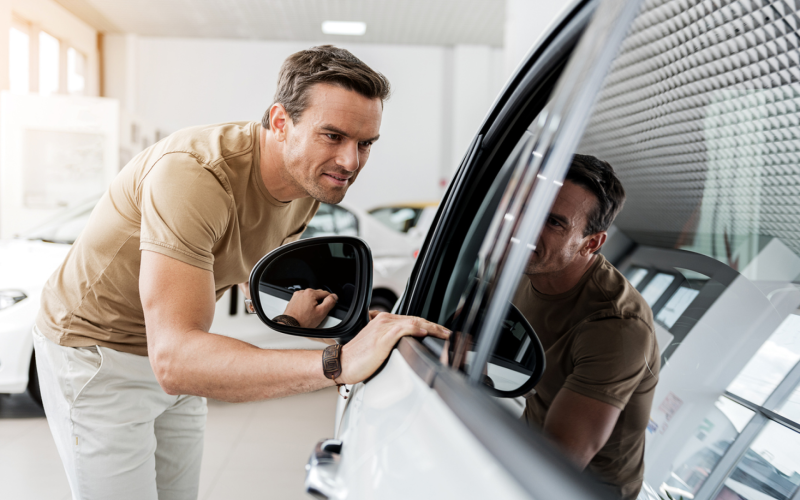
(252, 450)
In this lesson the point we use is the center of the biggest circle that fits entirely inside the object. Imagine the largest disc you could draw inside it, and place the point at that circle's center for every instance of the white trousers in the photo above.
(118, 433)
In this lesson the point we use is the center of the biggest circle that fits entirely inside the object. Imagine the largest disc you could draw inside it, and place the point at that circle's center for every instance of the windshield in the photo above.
(64, 228)
(400, 219)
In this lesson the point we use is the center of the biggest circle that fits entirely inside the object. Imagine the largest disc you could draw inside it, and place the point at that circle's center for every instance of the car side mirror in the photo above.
(337, 264)
(518, 361)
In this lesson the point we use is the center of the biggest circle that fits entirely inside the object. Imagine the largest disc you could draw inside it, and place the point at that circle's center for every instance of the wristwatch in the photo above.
(286, 320)
(332, 365)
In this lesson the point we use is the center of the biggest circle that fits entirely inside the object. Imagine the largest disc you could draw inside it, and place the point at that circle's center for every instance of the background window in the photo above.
(656, 288)
(675, 306)
(76, 72)
(635, 275)
(19, 58)
(48, 63)
(768, 468)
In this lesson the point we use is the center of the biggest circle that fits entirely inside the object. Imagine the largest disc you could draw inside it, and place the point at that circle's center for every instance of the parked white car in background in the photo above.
(26, 262)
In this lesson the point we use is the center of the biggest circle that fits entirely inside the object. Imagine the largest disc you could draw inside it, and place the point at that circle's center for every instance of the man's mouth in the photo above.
(338, 179)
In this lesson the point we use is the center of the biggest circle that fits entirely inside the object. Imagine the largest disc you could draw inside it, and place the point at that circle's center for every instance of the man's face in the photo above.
(330, 142)
(562, 239)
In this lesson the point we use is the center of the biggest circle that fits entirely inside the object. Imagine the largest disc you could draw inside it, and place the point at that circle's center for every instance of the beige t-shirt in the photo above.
(599, 341)
(196, 196)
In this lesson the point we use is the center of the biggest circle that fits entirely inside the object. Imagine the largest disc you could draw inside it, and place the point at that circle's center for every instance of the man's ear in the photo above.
(594, 243)
(278, 118)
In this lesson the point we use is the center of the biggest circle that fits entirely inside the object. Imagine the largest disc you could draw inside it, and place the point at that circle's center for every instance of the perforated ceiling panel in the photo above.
(444, 22)
(700, 116)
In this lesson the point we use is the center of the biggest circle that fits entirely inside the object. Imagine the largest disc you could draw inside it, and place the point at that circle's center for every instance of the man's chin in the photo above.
(330, 197)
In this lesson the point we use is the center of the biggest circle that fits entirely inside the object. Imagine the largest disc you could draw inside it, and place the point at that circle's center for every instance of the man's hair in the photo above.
(599, 179)
(324, 64)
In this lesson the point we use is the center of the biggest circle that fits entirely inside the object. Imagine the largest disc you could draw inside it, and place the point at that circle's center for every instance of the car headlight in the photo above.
(10, 297)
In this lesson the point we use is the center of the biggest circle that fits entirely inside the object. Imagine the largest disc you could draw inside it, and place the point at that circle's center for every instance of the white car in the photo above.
(28, 261)
(696, 105)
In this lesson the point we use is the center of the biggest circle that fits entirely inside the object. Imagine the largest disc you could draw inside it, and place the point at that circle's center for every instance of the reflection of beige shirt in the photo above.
(198, 197)
(599, 341)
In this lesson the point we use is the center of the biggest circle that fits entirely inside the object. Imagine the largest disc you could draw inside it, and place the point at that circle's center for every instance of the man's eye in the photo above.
(554, 222)
(365, 144)
(333, 137)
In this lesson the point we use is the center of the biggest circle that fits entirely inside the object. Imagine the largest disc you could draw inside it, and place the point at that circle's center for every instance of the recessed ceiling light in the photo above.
(344, 28)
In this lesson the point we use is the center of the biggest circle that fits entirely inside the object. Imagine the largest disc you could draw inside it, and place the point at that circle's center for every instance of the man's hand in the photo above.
(306, 308)
(369, 349)
(579, 425)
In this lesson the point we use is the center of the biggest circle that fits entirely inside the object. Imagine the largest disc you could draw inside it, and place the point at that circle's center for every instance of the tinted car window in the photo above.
(700, 117)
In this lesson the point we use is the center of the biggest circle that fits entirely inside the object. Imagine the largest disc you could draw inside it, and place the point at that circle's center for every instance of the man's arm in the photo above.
(178, 302)
(579, 425)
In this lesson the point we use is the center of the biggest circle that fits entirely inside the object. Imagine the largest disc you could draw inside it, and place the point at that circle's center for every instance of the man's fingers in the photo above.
(317, 294)
(433, 329)
(328, 303)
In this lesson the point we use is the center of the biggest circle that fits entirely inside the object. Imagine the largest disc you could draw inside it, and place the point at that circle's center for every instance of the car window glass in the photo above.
(322, 224)
(700, 122)
(345, 222)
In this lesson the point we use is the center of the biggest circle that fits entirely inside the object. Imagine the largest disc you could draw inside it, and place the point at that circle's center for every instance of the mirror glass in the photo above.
(329, 268)
(516, 355)
(518, 358)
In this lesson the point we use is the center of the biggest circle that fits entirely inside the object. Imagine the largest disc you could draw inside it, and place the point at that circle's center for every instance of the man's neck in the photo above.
(564, 280)
(272, 168)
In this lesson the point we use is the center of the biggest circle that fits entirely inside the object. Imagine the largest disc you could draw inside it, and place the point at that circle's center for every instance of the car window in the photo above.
(701, 124)
(345, 222)
(331, 220)
(699, 118)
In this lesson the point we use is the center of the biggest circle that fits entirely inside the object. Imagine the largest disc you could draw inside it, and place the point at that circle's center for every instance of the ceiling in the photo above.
(426, 22)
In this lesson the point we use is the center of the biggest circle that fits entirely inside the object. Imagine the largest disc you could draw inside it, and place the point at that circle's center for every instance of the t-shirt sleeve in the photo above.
(610, 358)
(185, 210)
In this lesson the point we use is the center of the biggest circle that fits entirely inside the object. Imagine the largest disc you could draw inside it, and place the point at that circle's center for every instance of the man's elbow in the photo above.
(579, 451)
(165, 367)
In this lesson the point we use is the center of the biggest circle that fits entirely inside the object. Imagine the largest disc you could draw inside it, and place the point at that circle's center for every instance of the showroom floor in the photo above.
(252, 450)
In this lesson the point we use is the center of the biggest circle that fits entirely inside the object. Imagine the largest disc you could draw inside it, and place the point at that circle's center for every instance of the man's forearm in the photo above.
(204, 364)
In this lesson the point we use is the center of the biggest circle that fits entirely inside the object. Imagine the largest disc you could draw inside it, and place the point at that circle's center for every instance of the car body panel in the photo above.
(25, 265)
(393, 433)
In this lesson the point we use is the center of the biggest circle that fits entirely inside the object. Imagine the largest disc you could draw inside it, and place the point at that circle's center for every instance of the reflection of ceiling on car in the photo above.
(435, 22)
(700, 116)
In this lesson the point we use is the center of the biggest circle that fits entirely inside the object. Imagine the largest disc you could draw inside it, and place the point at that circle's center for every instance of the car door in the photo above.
(425, 426)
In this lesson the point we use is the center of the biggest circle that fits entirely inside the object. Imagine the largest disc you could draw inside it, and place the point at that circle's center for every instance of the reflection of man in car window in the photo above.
(602, 357)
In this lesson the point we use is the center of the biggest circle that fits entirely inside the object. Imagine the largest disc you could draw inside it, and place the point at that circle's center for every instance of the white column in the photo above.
(119, 69)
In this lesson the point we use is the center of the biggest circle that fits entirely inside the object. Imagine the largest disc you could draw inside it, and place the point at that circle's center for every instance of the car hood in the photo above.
(27, 264)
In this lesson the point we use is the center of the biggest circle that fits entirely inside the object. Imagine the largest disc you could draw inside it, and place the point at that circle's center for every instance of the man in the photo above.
(122, 344)
(602, 359)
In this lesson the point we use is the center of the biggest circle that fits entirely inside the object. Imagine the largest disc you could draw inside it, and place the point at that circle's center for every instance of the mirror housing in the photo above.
(314, 263)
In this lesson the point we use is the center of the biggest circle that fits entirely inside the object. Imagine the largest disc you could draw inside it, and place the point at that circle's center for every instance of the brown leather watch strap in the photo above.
(331, 362)
(286, 320)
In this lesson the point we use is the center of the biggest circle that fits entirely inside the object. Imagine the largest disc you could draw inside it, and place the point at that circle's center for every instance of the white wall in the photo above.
(440, 96)
(526, 22)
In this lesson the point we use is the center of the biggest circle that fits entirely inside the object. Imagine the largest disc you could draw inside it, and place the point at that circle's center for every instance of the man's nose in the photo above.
(348, 156)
